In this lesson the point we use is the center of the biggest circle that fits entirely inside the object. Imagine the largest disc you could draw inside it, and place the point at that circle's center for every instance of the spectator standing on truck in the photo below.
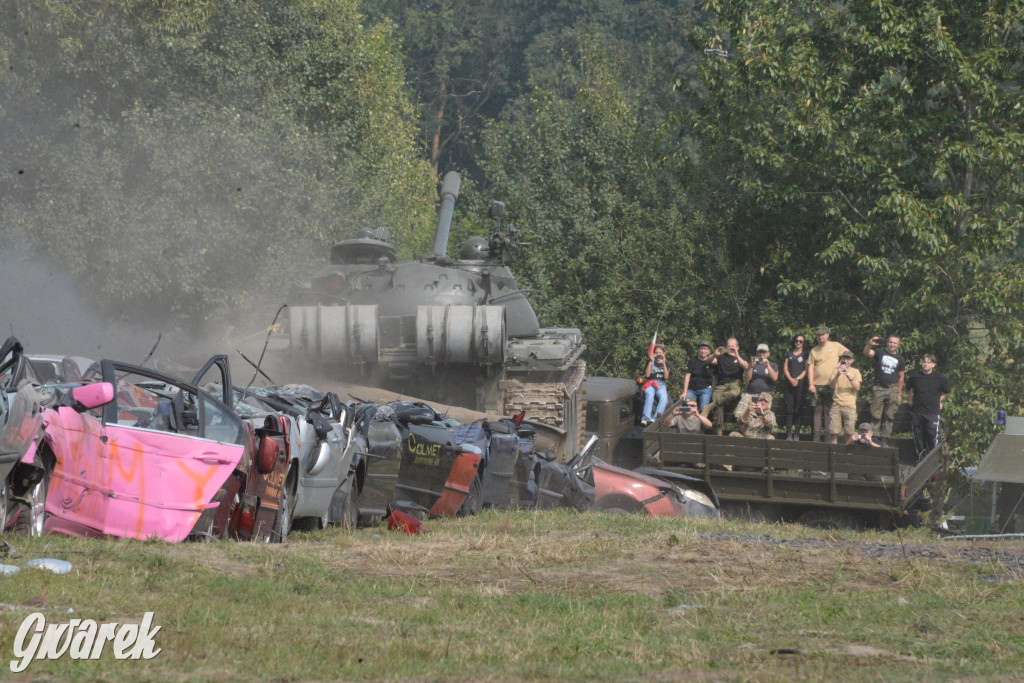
(925, 392)
(794, 390)
(887, 393)
(729, 365)
(760, 377)
(686, 419)
(699, 373)
(758, 420)
(655, 384)
(821, 365)
(845, 384)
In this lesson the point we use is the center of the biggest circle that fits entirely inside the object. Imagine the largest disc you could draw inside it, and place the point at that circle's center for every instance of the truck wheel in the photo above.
(4, 504)
(753, 513)
(474, 503)
(350, 511)
(824, 518)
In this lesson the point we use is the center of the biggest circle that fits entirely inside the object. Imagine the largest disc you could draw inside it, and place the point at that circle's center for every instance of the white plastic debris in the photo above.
(8, 570)
(50, 565)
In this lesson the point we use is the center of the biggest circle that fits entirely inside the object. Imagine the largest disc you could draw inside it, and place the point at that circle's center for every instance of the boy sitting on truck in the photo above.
(686, 419)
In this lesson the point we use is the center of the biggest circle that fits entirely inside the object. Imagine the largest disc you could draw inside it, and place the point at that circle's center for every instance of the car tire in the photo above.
(32, 517)
(4, 505)
(474, 503)
(283, 521)
(350, 511)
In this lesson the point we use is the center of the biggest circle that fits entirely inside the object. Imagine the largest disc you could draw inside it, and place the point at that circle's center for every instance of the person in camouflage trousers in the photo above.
(758, 420)
(887, 393)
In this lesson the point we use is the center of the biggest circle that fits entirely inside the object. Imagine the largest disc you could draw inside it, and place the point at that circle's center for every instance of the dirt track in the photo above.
(978, 553)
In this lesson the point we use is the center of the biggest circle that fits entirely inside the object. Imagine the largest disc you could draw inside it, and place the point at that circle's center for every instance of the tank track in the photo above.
(556, 403)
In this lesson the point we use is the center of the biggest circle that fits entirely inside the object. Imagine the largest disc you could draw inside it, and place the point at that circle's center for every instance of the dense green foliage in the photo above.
(747, 168)
(614, 248)
(872, 178)
(468, 61)
(183, 157)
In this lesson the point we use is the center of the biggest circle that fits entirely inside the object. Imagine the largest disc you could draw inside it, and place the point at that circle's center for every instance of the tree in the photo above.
(187, 157)
(868, 158)
(467, 61)
(613, 249)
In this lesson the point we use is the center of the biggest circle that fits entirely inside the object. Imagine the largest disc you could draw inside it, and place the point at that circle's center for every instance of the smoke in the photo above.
(46, 309)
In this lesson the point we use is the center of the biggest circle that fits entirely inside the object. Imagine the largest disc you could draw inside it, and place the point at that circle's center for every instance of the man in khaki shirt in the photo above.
(845, 384)
(821, 365)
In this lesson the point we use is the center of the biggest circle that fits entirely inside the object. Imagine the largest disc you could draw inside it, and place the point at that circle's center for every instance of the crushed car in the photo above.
(313, 432)
(21, 422)
(419, 463)
(130, 452)
(516, 474)
(412, 462)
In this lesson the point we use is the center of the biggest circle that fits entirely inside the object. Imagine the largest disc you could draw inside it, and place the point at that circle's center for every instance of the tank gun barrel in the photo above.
(449, 193)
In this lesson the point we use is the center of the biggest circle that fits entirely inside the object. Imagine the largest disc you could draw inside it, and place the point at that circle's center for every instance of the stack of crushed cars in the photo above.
(115, 449)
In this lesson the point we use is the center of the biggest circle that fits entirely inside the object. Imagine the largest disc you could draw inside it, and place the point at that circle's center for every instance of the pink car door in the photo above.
(152, 466)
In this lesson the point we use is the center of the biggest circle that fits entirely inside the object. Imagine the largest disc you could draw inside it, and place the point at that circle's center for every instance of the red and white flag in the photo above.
(654, 340)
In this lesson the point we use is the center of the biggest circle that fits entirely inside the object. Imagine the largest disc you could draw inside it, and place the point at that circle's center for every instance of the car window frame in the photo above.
(110, 369)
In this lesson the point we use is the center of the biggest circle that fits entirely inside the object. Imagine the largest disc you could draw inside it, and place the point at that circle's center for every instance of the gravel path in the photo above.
(976, 553)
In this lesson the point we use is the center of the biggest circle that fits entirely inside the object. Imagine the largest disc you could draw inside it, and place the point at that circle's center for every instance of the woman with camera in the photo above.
(760, 376)
(655, 384)
(794, 391)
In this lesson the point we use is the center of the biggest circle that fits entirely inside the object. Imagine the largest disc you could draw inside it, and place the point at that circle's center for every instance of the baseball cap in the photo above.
(763, 347)
(821, 329)
(765, 396)
(846, 354)
(703, 343)
(865, 427)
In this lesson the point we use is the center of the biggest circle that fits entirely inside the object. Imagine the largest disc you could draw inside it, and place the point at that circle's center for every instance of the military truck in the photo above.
(771, 479)
(459, 331)
(612, 408)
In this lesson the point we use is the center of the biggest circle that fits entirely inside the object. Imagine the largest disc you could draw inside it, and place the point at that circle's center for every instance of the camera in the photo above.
(685, 409)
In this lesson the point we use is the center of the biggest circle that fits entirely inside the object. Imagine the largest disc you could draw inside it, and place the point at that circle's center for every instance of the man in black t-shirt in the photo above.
(926, 391)
(887, 393)
(699, 373)
(729, 366)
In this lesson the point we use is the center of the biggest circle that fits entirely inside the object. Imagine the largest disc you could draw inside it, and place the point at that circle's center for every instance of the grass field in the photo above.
(540, 596)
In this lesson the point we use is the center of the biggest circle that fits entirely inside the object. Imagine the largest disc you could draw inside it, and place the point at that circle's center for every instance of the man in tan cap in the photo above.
(758, 420)
(821, 365)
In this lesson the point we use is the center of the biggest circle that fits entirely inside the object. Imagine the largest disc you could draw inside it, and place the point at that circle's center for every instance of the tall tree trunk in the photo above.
(435, 141)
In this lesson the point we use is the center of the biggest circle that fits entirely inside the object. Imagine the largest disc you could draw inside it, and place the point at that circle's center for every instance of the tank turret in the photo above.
(460, 331)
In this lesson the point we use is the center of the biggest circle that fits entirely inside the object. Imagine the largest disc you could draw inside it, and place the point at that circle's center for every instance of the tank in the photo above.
(459, 331)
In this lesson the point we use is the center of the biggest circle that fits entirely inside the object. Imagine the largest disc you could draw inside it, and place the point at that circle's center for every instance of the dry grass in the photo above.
(549, 596)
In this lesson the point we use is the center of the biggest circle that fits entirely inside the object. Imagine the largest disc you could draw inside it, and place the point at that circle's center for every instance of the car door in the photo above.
(168, 448)
(20, 412)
